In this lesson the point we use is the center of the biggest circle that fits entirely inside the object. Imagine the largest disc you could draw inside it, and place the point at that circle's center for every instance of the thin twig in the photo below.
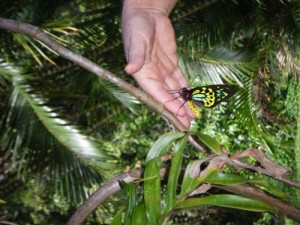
(268, 167)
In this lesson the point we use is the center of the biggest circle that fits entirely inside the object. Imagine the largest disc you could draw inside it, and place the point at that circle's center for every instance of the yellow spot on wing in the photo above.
(193, 108)
(196, 92)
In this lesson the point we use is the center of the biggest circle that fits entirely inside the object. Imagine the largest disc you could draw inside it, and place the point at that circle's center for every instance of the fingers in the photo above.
(180, 78)
(180, 112)
(185, 121)
(153, 62)
(176, 81)
(176, 106)
(135, 64)
(136, 55)
(138, 40)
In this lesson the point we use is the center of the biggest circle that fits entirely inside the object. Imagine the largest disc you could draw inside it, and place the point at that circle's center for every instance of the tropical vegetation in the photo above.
(64, 132)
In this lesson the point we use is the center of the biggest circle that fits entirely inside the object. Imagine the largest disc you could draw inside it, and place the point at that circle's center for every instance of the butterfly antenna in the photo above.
(172, 99)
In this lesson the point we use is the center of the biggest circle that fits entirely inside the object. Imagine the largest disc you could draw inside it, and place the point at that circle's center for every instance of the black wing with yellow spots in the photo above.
(208, 96)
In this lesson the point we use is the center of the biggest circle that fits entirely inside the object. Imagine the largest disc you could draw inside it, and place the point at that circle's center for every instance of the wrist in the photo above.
(148, 6)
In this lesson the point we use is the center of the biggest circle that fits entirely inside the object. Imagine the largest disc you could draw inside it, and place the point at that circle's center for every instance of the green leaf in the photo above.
(117, 220)
(225, 200)
(274, 191)
(162, 145)
(174, 174)
(152, 190)
(189, 183)
(210, 142)
(226, 179)
(212, 176)
(130, 191)
(139, 214)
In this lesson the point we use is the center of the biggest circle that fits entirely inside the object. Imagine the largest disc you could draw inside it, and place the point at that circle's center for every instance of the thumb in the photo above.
(136, 55)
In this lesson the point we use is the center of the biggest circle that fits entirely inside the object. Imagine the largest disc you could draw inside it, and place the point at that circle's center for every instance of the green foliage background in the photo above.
(64, 131)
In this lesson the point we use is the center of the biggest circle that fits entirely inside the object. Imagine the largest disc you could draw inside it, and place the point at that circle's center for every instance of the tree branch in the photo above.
(249, 191)
(105, 191)
(85, 63)
(268, 167)
(113, 186)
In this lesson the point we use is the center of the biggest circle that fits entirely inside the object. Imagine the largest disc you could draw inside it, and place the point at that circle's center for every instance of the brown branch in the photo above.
(109, 188)
(241, 164)
(268, 167)
(281, 206)
(85, 63)
(113, 186)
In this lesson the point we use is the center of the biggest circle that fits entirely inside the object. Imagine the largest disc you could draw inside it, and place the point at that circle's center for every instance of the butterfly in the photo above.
(206, 96)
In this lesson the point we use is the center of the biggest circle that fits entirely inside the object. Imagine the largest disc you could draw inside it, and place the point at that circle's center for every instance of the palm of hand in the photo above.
(152, 60)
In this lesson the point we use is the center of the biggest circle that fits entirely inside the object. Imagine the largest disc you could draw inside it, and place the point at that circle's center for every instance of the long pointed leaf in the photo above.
(162, 145)
(230, 201)
(210, 142)
(139, 214)
(130, 191)
(117, 220)
(174, 174)
(152, 190)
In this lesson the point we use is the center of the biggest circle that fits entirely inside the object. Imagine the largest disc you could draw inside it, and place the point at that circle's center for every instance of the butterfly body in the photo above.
(206, 96)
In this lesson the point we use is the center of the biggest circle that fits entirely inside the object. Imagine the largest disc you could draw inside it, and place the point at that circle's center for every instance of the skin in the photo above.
(150, 48)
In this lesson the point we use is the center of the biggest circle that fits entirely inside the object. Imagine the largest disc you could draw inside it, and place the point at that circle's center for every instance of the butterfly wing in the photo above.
(193, 108)
(210, 96)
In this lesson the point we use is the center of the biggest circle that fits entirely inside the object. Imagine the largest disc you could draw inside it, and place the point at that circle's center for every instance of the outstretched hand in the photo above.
(151, 53)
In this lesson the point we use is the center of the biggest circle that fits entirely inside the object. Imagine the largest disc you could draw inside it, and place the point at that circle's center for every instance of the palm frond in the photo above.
(6, 73)
(97, 105)
(218, 65)
(47, 144)
(287, 63)
(244, 110)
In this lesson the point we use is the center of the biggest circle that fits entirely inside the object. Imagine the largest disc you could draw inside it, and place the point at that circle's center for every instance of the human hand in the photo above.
(151, 52)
